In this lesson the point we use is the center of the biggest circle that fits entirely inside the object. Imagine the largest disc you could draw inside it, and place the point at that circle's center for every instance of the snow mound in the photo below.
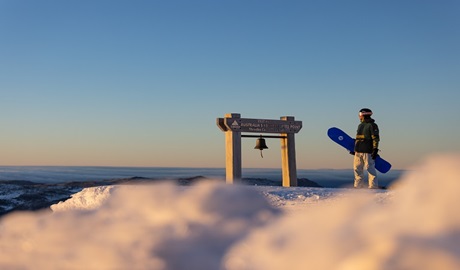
(87, 199)
(416, 225)
(418, 229)
(137, 227)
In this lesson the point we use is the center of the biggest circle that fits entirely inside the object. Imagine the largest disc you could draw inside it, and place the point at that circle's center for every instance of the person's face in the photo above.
(361, 117)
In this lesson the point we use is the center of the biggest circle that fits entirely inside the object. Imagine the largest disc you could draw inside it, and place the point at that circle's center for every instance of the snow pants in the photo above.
(364, 161)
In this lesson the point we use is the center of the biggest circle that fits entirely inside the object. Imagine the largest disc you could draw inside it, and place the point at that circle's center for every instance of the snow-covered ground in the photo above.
(413, 225)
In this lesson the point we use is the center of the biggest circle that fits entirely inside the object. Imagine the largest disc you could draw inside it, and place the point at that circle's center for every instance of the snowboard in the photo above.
(341, 138)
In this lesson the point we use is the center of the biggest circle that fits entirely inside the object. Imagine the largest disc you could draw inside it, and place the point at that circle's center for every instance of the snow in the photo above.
(413, 225)
(87, 199)
(7, 193)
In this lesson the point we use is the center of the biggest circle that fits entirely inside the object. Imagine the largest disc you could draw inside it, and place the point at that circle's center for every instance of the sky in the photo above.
(141, 83)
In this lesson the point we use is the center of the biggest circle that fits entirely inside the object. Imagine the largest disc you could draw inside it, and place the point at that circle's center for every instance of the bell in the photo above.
(260, 144)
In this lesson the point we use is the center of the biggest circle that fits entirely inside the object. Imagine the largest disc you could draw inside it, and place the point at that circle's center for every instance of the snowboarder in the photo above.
(366, 150)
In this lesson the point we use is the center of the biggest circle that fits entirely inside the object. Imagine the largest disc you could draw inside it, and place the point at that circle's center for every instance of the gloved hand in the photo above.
(375, 153)
(352, 153)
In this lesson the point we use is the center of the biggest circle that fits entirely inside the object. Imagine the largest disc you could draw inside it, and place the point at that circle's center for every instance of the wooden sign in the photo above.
(259, 125)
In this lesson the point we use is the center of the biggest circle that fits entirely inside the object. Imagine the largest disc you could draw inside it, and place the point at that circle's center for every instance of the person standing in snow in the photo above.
(366, 150)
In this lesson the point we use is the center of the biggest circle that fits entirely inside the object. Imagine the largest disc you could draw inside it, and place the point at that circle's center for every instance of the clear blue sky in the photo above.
(140, 83)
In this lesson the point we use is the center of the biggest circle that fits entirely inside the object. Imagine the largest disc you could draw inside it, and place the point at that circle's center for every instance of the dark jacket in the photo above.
(367, 136)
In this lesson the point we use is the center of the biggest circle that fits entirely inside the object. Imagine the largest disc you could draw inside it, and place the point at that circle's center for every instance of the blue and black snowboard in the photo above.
(341, 138)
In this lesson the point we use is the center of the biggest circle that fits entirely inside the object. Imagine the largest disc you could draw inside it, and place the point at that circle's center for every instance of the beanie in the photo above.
(365, 112)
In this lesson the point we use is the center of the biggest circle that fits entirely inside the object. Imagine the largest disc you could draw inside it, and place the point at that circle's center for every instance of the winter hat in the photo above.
(365, 112)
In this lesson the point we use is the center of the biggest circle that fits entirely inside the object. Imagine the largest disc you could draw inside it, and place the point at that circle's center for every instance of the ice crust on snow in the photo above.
(414, 225)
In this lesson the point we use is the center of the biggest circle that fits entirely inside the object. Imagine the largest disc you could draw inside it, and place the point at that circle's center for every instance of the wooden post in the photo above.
(288, 162)
(233, 171)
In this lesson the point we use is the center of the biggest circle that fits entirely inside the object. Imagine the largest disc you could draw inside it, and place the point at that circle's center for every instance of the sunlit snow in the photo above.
(413, 225)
